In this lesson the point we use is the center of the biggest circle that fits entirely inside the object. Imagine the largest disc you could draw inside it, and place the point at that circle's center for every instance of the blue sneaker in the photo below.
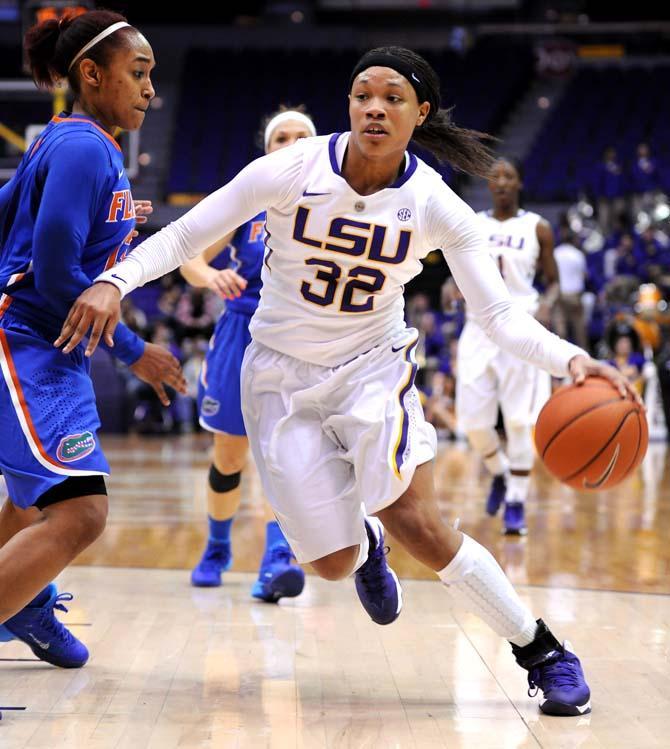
(216, 559)
(278, 577)
(376, 583)
(514, 519)
(38, 627)
(556, 670)
(496, 494)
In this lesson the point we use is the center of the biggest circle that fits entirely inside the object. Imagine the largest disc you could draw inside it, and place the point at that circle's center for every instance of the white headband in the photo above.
(109, 30)
(284, 117)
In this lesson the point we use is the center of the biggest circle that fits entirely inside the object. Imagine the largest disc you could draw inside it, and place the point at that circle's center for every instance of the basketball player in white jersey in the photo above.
(330, 407)
(521, 243)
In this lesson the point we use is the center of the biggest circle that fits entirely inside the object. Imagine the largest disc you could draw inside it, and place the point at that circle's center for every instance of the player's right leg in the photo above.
(477, 582)
(309, 480)
(35, 555)
(51, 460)
(477, 413)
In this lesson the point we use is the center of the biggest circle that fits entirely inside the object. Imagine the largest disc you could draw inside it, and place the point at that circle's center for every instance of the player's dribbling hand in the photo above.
(227, 283)
(99, 309)
(158, 367)
(581, 367)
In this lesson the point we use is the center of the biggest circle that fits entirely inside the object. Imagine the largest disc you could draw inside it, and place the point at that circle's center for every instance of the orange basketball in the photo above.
(589, 437)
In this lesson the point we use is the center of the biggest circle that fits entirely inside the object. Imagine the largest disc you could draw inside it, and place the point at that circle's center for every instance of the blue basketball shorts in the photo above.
(219, 400)
(48, 417)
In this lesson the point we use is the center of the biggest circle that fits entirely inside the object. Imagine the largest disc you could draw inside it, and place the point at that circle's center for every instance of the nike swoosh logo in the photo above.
(415, 78)
(313, 194)
(43, 645)
(118, 278)
(606, 473)
(395, 350)
(121, 174)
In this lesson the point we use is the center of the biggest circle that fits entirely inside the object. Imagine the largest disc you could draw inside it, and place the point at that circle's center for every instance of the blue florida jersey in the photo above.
(65, 216)
(245, 255)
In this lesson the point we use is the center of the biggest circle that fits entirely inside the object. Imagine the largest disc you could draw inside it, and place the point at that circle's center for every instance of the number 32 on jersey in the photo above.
(356, 239)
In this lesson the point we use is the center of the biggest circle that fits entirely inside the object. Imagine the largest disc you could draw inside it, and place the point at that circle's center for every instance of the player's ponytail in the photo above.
(51, 46)
(461, 148)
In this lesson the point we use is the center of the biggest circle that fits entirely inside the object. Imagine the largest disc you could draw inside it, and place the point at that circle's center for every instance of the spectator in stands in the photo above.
(644, 179)
(196, 313)
(431, 340)
(415, 307)
(167, 303)
(452, 312)
(653, 255)
(609, 189)
(569, 312)
(439, 406)
(133, 316)
(193, 354)
(627, 357)
(620, 260)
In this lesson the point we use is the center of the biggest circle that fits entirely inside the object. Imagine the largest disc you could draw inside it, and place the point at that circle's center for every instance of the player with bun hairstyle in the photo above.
(334, 420)
(65, 216)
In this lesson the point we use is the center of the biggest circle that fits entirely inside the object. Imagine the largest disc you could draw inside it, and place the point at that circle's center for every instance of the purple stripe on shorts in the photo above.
(399, 453)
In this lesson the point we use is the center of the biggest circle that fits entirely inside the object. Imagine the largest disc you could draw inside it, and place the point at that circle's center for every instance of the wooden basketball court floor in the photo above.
(174, 666)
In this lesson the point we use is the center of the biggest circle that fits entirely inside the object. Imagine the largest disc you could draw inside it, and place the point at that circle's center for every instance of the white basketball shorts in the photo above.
(519, 388)
(334, 443)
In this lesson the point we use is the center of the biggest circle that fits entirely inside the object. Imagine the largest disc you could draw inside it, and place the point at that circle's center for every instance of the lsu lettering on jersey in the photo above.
(337, 261)
(65, 216)
(514, 246)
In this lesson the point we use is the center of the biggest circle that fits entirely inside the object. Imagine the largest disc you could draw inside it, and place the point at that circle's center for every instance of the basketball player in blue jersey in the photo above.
(232, 268)
(334, 420)
(65, 216)
(522, 245)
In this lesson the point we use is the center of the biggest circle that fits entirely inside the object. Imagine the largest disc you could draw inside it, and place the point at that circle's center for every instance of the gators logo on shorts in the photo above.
(210, 406)
(75, 447)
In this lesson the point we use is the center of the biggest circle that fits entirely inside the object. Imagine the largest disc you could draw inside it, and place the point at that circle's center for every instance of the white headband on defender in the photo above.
(290, 114)
(109, 30)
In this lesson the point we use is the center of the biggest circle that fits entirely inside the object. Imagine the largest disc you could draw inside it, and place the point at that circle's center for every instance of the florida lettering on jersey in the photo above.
(52, 244)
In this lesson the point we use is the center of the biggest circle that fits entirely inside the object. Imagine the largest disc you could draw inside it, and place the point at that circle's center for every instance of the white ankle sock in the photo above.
(517, 488)
(478, 583)
(363, 548)
(497, 463)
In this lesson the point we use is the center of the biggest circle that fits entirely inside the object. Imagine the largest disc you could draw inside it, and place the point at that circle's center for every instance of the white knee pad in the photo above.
(520, 450)
(477, 582)
(484, 441)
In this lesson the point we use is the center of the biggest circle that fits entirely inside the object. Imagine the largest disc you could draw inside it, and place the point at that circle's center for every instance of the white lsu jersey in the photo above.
(336, 261)
(334, 289)
(514, 246)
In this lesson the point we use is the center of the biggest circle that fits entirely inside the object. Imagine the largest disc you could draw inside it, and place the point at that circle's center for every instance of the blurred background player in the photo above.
(232, 269)
(66, 215)
(522, 243)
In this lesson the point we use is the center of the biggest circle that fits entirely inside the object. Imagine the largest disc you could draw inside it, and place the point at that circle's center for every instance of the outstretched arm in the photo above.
(267, 182)
(454, 228)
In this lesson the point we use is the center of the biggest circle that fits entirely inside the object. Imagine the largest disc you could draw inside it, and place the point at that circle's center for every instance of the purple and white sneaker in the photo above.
(376, 583)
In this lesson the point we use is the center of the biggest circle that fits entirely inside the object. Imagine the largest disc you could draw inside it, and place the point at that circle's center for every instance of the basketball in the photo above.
(589, 437)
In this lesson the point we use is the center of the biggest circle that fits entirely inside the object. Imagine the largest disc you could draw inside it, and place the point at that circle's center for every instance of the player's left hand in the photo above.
(158, 367)
(143, 208)
(97, 308)
(581, 367)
